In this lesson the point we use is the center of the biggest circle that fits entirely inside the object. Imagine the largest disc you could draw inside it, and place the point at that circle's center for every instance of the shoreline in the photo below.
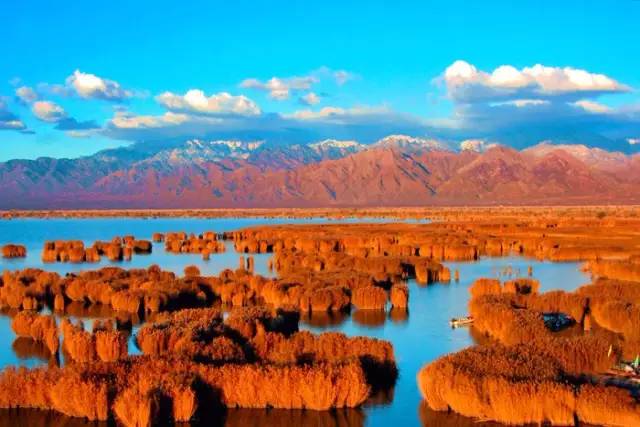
(334, 213)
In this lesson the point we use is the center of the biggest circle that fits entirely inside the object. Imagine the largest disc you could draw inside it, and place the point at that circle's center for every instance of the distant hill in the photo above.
(397, 170)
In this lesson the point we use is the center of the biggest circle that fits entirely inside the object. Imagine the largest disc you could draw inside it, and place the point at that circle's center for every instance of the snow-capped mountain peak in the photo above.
(336, 143)
(407, 142)
(589, 155)
(197, 151)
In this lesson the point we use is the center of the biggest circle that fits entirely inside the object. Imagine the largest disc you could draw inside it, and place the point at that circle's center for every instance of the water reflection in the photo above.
(430, 418)
(381, 397)
(289, 418)
(28, 348)
(38, 418)
(399, 315)
(323, 319)
(369, 318)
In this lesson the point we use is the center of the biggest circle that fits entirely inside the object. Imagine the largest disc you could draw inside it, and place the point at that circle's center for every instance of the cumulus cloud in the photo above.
(196, 101)
(51, 112)
(90, 86)
(466, 83)
(48, 111)
(281, 88)
(633, 141)
(26, 94)
(520, 106)
(8, 120)
(310, 99)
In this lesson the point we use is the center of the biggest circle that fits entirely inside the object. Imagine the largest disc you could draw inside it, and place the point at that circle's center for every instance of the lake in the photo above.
(419, 335)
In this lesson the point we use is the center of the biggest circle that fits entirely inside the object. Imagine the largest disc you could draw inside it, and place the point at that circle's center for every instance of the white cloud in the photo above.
(465, 82)
(26, 94)
(592, 106)
(280, 88)
(310, 99)
(91, 86)
(633, 141)
(221, 103)
(478, 145)
(473, 145)
(124, 120)
(81, 133)
(521, 103)
(330, 112)
(13, 124)
(48, 111)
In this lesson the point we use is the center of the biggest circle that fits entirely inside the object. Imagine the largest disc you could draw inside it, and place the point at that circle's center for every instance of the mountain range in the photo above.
(398, 170)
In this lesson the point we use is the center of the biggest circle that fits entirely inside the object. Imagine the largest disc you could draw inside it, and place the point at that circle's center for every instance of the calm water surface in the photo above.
(419, 335)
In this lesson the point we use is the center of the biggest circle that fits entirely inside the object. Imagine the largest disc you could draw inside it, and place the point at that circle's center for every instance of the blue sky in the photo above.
(353, 69)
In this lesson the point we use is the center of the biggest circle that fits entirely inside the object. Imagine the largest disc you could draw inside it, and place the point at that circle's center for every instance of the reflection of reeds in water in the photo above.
(399, 315)
(212, 418)
(382, 396)
(369, 318)
(100, 311)
(290, 418)
(431, 418)
(39, 418)
(323, 319)
(28, 348)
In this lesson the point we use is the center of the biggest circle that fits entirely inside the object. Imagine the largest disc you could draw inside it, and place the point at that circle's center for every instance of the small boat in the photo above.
(457, 322)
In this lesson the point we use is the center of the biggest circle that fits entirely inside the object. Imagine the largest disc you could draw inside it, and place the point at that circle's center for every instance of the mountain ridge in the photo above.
(397, 171)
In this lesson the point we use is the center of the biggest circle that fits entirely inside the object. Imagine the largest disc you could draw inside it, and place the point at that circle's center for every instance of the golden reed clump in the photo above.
(519, 286)
(138, 389)
(607, 405)
(191, 271)
(399, 296)
(250, 321)
(107, 345)
(27, 289)
(628, 269)
(507, 384)
(14, 251)
(486, 381)
(75, 251)
(613, 304)
(171, 330)
(520, 385)
(37, 327)
(179, 242)
(71, 392)
(376, 356)
(485, 286)
(369, 298)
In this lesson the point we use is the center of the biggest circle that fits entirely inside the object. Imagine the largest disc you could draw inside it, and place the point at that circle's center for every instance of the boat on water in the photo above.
(457, 322)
